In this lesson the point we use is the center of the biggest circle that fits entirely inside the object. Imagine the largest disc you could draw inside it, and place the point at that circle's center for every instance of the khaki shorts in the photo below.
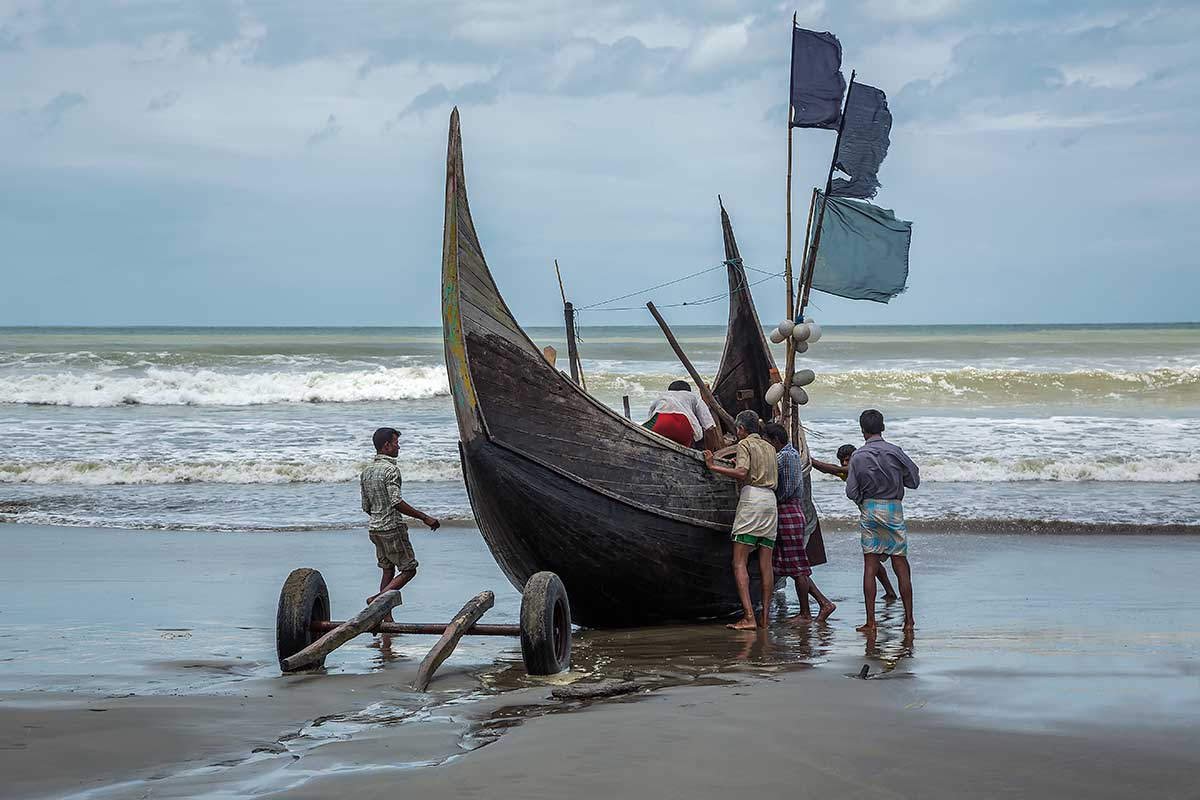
(392, 549)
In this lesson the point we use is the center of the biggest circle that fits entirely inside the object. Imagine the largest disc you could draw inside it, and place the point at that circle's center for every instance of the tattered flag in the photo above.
(863, 252)
(864, 142)
(817, 82)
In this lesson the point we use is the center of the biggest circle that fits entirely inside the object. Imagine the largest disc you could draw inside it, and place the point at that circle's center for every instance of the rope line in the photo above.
(652, 288)
(699, 302)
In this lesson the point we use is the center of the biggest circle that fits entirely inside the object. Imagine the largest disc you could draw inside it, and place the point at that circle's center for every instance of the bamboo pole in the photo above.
(790, 346)
(705, 394)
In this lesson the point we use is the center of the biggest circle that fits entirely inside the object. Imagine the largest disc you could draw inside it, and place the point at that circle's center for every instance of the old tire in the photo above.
(545, 625)
(303, 600)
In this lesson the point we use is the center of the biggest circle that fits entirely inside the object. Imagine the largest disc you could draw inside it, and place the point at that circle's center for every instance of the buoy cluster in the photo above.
(802, 335)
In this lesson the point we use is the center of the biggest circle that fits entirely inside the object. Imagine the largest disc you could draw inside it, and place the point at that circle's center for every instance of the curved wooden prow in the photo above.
(471, 303)
(746, 362)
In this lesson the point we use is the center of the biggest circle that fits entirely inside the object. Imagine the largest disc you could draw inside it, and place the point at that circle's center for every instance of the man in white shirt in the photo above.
(681, 416)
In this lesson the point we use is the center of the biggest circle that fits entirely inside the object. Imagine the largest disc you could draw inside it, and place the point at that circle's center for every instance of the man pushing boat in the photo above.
(681, 416)
(756, 522)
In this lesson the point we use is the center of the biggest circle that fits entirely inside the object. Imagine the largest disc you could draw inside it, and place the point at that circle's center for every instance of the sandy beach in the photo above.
(153, 675)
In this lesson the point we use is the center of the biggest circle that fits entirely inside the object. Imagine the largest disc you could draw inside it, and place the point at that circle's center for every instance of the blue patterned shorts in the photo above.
(883, 528)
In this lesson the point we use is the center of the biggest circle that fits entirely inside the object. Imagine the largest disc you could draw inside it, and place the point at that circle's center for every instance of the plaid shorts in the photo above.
(883, 528)
(789, 559)
(393, 549)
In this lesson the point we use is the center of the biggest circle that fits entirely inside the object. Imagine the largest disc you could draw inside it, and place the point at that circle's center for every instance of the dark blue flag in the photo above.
(817, 82)
(864, 142)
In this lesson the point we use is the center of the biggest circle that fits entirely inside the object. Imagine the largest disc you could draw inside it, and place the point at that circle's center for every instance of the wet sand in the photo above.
(1042, 666)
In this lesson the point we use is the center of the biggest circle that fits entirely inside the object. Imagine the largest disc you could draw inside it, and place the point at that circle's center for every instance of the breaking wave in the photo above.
(160, 386)
(143, 473)
(983, 470)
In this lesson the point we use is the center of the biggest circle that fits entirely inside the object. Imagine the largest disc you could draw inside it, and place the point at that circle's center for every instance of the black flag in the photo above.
(864, 142)
(817, 82)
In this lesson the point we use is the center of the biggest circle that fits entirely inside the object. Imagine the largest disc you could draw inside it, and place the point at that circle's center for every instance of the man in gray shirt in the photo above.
(879, 472)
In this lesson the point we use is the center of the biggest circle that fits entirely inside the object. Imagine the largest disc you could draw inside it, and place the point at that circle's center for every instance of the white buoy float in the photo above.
(801, 332)
(814, 334)
(801, 347)
(777, 336)
(799, 396)
(774, 394)
(803, 377)
(786, 327)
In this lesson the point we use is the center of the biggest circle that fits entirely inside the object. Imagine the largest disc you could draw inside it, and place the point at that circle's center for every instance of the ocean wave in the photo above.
(158, 386)
(935, 470)
(142, 473)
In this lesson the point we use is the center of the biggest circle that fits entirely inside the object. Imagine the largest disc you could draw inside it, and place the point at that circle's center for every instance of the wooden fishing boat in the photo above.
(634, 524)
(746, 363)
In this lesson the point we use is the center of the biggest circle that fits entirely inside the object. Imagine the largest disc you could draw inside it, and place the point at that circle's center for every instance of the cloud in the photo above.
(326, 134)
(53, 112)
(163, 101)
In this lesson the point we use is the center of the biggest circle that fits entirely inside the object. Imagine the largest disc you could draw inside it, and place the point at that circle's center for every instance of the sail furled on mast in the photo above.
(817, 82)
(863, 253)
(863, 144)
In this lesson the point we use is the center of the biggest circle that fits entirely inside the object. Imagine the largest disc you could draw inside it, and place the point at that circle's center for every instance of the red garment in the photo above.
(675, 427)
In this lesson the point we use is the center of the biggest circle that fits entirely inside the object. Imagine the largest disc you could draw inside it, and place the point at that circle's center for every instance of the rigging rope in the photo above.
(699, 302)
(652, 288)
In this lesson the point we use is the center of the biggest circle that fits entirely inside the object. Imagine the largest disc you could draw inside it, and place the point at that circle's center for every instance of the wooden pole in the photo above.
(790, 346)
(572, 352)
(625, 401)
(361, 622)
(463, 620)
(816, 238)
(791, 413)
(706, 395)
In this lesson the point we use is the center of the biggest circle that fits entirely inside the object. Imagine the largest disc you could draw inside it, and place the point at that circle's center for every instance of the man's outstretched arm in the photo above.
(432, 522)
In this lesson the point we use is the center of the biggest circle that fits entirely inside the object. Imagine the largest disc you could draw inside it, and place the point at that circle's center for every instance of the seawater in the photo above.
(266, 428)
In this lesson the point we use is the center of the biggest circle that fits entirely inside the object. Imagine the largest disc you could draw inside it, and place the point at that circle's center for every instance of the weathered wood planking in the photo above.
(634, 524)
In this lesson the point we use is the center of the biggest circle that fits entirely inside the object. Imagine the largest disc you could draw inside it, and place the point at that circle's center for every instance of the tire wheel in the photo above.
(303, 601)
(545, 625)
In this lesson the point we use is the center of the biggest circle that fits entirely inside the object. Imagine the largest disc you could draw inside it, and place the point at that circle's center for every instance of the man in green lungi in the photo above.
(756, 522)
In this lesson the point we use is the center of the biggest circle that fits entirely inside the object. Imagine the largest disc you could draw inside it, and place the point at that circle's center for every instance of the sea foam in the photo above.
(161, 386)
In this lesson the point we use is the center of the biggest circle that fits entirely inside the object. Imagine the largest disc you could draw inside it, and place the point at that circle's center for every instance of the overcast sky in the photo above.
(283, 163)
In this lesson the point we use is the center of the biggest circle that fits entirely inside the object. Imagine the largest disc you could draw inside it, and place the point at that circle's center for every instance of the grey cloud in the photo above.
(163, 101)
(9, 41)
(326, 134)
(53, 112)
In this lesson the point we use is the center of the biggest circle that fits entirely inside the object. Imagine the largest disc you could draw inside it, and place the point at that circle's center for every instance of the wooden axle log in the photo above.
(425, 628)
(361, 622)
(464, 619)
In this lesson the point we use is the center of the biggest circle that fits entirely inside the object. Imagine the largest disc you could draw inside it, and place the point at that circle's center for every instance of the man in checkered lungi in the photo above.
(789, 558)
(878, 474)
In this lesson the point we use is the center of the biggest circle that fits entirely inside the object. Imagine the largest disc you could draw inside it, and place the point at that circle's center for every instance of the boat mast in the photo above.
(787, 258)
(816, 239)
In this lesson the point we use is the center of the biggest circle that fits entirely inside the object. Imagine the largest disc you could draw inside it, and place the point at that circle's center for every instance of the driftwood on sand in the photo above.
(462, 621)
(361, 622)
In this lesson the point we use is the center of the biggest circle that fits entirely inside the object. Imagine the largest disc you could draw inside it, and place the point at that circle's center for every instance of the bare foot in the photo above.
(743, 624)
(371, 599)
(891, 597)
(825, 612)
(867, 628)
(800, 619)
(909, 625)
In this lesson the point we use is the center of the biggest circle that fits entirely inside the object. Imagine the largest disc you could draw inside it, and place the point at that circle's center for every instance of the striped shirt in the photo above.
(790, 487)
(380, 484)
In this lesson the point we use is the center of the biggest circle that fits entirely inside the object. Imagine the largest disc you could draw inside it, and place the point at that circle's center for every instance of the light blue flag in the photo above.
(863, 253)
